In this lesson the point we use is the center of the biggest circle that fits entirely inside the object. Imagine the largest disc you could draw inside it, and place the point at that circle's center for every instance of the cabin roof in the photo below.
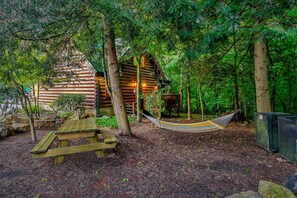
(97, 65)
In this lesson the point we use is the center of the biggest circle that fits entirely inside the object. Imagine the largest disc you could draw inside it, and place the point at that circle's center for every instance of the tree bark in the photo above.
(189, 102)
(138, 91)
(261, 75)
(114, 76)
(32, 128)
(201, 102)
(236, 98)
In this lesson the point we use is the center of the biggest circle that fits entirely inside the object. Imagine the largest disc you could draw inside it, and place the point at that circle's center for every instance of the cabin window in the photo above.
(135, 61)
(143, 61)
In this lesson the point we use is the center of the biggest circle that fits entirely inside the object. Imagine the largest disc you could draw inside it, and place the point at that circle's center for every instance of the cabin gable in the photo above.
(76, 77)
(128, 78)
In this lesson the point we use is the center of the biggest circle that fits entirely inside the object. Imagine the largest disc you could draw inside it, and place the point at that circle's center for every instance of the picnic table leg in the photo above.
(59, 159)
(95, 139)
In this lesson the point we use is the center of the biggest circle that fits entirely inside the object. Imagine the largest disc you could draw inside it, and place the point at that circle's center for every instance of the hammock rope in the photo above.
(206, 126)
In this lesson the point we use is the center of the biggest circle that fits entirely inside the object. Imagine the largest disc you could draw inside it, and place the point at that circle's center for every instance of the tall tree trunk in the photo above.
(181, 90)
(189, 102)
(138, 91)
(236, 98)
(114, 76)
(201, 102)
(261, 75)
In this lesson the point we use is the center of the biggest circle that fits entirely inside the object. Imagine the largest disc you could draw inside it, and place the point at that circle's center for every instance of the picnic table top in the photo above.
(74, 126)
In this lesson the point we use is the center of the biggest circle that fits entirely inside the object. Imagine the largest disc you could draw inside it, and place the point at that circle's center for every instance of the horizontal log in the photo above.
(83, 89)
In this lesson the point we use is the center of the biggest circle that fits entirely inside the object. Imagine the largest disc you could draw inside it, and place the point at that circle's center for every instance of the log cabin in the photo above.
(87, 77)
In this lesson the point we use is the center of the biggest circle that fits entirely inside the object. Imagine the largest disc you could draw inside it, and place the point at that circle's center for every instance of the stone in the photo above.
(271, 190)
(9, 119)
(281, 160)
(246, 194)
(291, 183)
(3, 131)
(45, 124)
(20, 128)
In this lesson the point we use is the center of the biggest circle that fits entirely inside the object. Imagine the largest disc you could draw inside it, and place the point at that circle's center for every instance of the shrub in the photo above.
(112, 121)
(69, 105)
(154, 103)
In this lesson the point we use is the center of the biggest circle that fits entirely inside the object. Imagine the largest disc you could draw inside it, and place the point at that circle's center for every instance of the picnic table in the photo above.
(84, 128)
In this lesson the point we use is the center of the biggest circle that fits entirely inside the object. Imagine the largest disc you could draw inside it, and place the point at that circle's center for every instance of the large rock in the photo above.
(246, 194)
(3, 131)
(45, 124)
(271, 190)
(291, 183)
(20, 128)
(9, 119)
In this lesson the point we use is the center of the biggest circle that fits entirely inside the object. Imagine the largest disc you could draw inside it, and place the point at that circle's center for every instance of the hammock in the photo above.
(210, 125)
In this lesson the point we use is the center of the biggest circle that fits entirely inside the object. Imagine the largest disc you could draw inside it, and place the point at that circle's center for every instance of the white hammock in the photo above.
(210, 125)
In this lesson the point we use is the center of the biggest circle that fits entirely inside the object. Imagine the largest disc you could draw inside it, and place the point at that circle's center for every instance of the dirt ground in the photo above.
(154, 163)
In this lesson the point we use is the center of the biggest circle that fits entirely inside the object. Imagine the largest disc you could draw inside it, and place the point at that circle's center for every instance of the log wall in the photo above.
(78, 76)
(128, 82)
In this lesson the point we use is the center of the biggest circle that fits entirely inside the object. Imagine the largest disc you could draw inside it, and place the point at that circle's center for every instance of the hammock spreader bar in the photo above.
(210, 125)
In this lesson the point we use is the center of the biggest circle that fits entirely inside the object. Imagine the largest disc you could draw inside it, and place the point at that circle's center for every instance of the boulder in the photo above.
(271, 190)
(9, 119)
(45, 124)
(291, 183)
(3, 131)
(20, 128)
(246, 194)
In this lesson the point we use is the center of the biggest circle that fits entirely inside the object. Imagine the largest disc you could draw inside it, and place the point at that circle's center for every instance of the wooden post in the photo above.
(138, 91)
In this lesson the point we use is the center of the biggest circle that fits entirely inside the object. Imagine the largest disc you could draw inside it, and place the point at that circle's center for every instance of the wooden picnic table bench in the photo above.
(85, 128)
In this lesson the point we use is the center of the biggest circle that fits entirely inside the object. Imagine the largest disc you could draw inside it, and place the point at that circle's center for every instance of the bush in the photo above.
(154, 103)
(69, 105)
(112, 121)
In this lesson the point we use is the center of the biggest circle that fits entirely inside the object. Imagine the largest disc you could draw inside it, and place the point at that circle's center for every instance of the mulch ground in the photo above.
(154, 163)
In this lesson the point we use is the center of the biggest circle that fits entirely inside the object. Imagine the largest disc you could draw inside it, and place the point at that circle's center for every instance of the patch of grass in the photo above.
(112, 121)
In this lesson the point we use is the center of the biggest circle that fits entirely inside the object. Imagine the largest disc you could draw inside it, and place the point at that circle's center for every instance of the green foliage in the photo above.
(34, 109)
(112, 121)
(68, 105)
(154, 102)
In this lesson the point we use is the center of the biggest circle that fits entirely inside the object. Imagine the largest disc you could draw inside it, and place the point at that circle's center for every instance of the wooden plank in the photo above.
(95, 139)
(59, 159)
(75, 135)
(74, 126)
(109, 138)
(75, 149)
(44, 143)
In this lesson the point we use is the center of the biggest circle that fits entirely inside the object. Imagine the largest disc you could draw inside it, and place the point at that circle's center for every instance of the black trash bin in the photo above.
(287, 127)
(267, 135)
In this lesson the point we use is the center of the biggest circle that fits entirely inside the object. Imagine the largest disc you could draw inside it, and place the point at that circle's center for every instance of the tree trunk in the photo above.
(261, 75)
(236, 98)
(114, 76)
(32, 127)
(201, 102)
(138, 91)
(181, 91)
(189, 102)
